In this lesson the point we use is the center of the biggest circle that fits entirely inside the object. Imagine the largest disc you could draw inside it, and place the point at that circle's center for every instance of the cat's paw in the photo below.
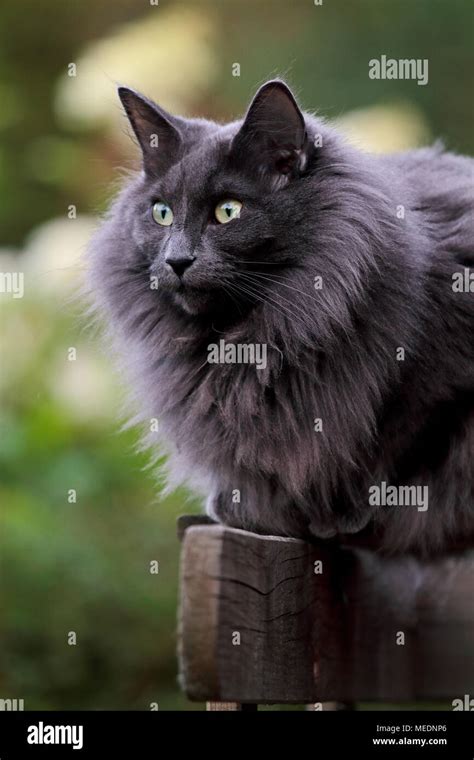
(340, 525)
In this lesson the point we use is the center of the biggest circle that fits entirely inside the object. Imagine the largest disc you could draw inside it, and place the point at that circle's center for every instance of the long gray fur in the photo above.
(385, 234)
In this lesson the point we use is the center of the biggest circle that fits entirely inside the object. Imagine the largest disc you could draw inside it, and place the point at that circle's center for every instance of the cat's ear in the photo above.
(159, 138)
(273, 134)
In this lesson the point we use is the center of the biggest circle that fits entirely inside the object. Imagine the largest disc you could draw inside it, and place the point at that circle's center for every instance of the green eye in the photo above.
(162, 214)
(227, 210)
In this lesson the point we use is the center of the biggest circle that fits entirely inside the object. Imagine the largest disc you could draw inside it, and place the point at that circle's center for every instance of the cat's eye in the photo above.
(227, 210)
(162, 214)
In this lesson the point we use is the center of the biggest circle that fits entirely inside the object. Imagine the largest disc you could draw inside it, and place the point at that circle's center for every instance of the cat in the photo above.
(345, 269)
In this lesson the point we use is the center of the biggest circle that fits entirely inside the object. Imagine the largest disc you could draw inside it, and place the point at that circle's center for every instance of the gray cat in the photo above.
(299, 315)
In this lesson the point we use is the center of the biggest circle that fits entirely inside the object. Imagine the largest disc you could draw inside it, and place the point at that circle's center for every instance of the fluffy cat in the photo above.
(345, 267)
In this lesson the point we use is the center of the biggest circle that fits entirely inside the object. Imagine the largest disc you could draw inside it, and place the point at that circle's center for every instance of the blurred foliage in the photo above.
(54, 144)
(84, 566)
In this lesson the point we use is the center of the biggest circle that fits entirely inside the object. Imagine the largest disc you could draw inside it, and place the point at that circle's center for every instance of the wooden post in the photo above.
(265, 619)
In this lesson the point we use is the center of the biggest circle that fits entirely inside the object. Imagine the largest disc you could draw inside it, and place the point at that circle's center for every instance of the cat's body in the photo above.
(369, 376)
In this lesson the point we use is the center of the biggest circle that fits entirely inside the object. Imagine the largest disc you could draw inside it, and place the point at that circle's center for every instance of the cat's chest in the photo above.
(219, 387)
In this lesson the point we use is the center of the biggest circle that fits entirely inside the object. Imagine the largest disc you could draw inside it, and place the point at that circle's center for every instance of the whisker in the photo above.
(229, 293)
(264, 276)
(254, 261)
(250, 280)
(280, 308)
(247, 291)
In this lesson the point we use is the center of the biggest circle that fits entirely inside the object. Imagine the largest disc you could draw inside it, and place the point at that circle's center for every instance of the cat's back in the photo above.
(434, 172)
(439, 188)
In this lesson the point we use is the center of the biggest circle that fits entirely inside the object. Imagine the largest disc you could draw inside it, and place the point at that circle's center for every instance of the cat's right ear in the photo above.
(159, 139)
(272, 138)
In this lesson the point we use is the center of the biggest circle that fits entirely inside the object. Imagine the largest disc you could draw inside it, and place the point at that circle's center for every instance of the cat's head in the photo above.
(214, 202)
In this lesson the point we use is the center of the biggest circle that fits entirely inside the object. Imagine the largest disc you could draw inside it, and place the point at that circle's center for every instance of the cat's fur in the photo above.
(385, 233)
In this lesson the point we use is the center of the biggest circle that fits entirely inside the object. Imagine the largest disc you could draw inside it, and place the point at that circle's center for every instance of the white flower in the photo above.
(52, 259)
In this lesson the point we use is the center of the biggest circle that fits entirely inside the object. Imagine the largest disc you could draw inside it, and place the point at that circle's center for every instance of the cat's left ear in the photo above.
(158, 137)
(273, 134)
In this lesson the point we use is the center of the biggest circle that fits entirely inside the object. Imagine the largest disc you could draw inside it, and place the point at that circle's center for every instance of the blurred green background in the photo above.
(85, 566)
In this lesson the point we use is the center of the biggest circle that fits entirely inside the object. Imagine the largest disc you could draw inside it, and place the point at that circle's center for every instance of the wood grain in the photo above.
(257, 624)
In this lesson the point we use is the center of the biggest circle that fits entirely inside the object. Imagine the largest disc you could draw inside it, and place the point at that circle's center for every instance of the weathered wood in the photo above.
(258, 624)
(431, 604)
(247, 608)
(198, 621)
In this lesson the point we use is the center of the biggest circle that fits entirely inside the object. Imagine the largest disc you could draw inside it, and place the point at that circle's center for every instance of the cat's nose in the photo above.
(179, 264)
